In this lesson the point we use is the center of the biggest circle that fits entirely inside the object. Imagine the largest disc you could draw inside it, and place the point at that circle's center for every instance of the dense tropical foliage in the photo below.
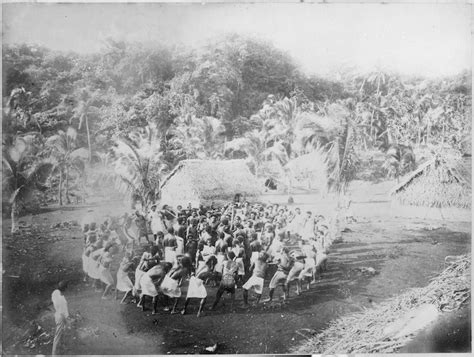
(142, 109)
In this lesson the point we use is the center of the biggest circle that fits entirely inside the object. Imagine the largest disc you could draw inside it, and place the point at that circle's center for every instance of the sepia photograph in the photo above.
(236, 178)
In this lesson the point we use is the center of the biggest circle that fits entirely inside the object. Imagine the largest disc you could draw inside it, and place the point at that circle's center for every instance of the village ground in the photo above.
(405, 252)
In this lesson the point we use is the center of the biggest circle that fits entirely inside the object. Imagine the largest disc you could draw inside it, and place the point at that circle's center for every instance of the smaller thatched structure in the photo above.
(272, 169)
(439, 182)
(207, 181)
(309, 170)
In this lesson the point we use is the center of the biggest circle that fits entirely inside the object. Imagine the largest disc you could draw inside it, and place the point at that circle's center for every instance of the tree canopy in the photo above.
(236, 97)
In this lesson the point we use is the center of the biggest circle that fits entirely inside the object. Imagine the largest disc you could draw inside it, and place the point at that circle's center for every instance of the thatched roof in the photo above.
(309, 167)
(439, 182)
(272, 169)
(314, 162)
(205, 181)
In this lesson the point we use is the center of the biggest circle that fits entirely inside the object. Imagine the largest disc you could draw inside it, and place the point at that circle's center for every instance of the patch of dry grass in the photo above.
(363, 332)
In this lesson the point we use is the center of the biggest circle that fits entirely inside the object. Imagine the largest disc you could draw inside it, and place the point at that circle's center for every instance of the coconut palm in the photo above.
(139, 164)
(333, 131)
(253, 145)
(66, 156)
(198, 137)
(82, 112)
(23, 170)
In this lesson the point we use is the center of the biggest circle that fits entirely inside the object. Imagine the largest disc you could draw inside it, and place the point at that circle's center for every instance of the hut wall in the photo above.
(452, 214)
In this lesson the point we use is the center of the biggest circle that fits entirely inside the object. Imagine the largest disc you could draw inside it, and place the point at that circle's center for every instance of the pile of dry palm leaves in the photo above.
(363, 332)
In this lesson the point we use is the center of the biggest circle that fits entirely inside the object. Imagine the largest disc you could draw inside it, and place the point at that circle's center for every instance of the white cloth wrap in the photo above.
(240, 265)
(220, 261)
(94, 265)
(138, 276)
(254, 257)
(196, 288)
(105, 275)
(170, 255)
(256, 283)
(170, 287)
(147, 286)
(123, 281)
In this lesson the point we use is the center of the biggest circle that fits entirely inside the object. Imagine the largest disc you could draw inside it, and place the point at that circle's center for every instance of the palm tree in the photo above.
(82, 112)
(23, 170)
(139, 164)
(253, 145)
(198, 137)
(341, 159)
(66, 156)
(333, 132)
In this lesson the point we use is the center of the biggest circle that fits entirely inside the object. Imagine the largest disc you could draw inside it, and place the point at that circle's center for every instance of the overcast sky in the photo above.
(413, 39)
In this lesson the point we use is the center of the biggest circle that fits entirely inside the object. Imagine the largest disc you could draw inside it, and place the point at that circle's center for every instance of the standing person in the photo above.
(192, 229)
(170, 244)
(208, 250)
(229, 272)
(298, 222)
(150, 282)
(104, 269)
(196, 288)
(309, 263)
(307, 231)
(268, 236)
(276, 246)
(280, 276)
(128, 239)
(171, 285)
(85, 255)
(94, 266)
(321, 256)
(141, 223)
(191, 248)
(255, 248)
(259, 271)
(159, 244)
(124, 283)
(296, 269)
(179, 245)
(221, 250)
(239, 259)
(61, 315)
(141, 269)
(156, 221)
(181, 231)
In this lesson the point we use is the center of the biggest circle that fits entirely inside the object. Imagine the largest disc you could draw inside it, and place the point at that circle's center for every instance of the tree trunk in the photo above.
(88, 139)
(288, 185)
(67, 186)
(444, 133)
(419, 134)
(60, 196)
(13, 216)
(371, 128)
(428, 129)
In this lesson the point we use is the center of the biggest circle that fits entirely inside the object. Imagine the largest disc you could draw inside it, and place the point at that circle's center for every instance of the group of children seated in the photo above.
(192, 250)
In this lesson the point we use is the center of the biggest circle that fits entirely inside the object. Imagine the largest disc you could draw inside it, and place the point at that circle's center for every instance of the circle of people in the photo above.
(230, 248)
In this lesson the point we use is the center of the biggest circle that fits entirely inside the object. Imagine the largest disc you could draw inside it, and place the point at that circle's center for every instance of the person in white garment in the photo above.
(61, 315)
(297, 223)
(307, 232)
(156, 222)
(124, 283)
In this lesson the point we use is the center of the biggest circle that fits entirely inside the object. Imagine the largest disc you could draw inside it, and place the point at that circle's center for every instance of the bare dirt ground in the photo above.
(405, 253)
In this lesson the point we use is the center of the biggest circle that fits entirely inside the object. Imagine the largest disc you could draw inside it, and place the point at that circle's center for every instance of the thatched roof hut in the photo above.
(271, 169)
(206, 181)
(309, 169)
(439, 182)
